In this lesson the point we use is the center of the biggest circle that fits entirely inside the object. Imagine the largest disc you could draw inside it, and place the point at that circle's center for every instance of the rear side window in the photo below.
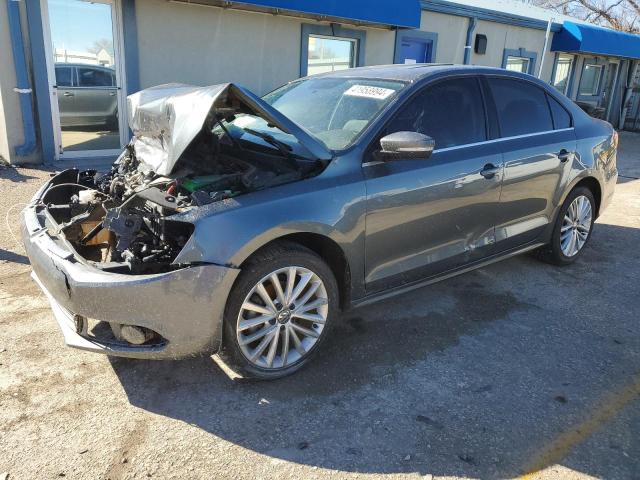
(90, 77)
(561, 118)
(451, 112)
(522, 107)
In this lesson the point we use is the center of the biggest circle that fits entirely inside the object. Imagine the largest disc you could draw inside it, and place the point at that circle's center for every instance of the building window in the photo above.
(590, 80)
(519, 60)
(562, 72)
(327, 48)
(517, 64)
(327, 54)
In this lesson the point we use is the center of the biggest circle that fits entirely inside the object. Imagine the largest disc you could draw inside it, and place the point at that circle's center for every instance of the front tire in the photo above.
(279, 312)
(572, 229)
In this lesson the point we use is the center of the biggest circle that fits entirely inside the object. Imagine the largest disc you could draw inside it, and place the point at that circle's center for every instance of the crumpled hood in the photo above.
(165, 119)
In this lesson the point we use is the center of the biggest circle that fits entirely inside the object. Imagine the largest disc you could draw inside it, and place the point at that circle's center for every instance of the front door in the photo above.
(85, 77)
(415, 50)
(425, 217)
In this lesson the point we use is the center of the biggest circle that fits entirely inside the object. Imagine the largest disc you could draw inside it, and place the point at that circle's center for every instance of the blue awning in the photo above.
(576, 37)
(402, 13)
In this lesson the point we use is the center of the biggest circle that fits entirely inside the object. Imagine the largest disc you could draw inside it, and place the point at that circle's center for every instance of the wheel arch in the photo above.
(328, 250)
(594, 186)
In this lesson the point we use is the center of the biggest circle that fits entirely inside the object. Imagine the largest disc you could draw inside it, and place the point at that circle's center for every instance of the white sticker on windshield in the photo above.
(378, 93)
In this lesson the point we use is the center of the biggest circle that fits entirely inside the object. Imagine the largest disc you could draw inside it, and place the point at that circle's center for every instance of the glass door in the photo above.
(85, 76)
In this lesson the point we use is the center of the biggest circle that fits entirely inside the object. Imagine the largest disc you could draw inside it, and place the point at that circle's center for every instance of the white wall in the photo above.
(204, 45)
(452, 35)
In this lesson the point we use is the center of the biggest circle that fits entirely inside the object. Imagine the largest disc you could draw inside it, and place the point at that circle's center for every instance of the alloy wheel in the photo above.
(576, 226)
(282, 317)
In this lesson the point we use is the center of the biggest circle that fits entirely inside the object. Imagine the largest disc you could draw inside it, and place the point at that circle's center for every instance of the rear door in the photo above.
(538, 145)
(425, 217)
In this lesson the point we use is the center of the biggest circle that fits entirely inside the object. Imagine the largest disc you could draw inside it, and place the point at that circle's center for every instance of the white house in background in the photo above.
(62, 55)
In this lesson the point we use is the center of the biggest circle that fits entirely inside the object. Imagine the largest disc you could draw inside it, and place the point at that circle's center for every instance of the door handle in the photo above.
(112, 94)
(68, 94)
(564, 155)
(489, 170)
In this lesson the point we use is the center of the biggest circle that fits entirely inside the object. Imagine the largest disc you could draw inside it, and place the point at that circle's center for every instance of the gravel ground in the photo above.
(513, 368)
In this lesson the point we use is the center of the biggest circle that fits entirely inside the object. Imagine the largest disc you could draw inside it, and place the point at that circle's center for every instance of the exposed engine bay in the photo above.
(121, 221)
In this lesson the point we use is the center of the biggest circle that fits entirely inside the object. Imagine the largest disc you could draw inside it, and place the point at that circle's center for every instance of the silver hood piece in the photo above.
(165, 120)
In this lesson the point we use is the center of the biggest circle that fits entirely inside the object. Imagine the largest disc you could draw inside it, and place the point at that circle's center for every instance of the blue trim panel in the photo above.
(403, 13)
(130, 37)
(467, 46)
(520, 52)
(417, 34)
(444, 6)
(22, 79)
(596, 40)
(333, 30)
(40, 80)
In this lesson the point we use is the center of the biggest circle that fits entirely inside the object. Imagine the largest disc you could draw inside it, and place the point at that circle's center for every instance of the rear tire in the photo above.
(272, 331)
(572, 229)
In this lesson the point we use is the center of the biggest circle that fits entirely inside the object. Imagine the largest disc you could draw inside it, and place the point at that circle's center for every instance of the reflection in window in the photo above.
(590, 80)
(522, 107)
(517, 64)
(563, 70)
(92, 77)
(330, 54)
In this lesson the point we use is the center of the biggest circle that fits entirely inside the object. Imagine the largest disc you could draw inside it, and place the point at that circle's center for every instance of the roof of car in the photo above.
(405, 72)
(79, 64)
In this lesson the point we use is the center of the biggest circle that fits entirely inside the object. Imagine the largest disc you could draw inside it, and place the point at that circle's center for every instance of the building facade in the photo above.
(69, 64)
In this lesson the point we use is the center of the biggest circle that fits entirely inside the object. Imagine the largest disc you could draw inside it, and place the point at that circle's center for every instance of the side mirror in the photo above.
(405, 146)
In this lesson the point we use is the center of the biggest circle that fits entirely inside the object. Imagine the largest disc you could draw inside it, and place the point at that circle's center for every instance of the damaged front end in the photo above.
(191, 147)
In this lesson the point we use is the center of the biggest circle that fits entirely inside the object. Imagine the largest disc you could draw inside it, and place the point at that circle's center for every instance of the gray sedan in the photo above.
(246, 225)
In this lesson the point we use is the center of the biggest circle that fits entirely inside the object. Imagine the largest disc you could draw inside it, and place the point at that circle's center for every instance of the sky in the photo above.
(76, 24)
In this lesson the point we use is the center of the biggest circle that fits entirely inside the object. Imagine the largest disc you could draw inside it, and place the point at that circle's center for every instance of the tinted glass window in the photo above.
(63, 76)
(450, 112)
(89, 77)
(522, 107)
(561, 118)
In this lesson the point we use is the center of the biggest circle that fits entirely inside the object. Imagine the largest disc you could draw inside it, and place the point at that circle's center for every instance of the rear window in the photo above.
(522, 107)
(561, 118)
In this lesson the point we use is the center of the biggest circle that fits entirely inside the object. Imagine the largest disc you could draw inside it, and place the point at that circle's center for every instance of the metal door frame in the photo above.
(118, 52)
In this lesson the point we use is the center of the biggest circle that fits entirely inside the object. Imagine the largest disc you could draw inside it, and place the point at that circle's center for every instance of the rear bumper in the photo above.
(184, 306)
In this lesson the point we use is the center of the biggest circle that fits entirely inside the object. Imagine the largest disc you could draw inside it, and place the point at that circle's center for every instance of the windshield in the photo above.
(335, 110)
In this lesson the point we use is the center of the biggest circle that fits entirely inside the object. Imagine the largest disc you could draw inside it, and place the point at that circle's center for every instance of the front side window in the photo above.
(590, 80)
(517, 64)
(562, 72)
(328, 54)
(335, 110)
(63, 76)
(450, 112)
(522, 107)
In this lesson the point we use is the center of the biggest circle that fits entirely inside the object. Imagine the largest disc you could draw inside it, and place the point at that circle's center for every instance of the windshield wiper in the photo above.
(282, 147)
